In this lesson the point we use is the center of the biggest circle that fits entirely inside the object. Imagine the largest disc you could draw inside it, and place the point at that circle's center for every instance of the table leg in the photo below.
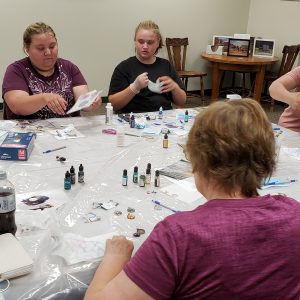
(215, 81)
(259, 80)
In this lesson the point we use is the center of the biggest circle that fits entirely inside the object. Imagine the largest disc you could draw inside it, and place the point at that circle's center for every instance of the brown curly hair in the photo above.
(233, 143)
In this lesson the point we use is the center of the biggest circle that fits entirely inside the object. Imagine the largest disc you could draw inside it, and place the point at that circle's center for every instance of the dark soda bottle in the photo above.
(7, 205)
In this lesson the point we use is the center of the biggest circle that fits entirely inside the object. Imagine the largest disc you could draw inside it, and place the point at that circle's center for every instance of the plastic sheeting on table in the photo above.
(43, 232)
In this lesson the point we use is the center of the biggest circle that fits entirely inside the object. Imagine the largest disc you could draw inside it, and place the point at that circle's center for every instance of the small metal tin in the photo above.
(130, 216)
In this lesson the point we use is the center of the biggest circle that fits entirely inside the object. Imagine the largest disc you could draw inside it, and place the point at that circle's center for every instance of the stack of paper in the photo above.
(14, 261)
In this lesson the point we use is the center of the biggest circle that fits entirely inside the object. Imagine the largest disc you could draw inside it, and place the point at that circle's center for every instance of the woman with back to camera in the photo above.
(129, 89)
(238, 245)
(41, 85)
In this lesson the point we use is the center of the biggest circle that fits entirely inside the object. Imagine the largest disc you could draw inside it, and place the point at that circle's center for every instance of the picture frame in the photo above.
(238, 47)
(264, 48)
(221, 40)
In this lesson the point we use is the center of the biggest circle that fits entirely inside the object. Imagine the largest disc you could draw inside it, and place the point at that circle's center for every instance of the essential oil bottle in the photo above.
(157, 179)
(135, 177)
(81, 174)
(124, 178)
(166, 141)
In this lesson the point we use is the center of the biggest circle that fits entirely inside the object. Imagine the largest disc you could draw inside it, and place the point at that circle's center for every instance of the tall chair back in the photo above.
(177, 49)
(289, 56)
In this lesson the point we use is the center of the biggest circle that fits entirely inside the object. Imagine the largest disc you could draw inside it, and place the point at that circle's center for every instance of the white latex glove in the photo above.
(155, 87)
(140, 82)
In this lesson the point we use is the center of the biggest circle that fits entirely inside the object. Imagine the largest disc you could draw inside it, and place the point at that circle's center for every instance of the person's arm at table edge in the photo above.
(179, 96)
(110, 281)
(21, 103)
(122, 98)
(281, 88)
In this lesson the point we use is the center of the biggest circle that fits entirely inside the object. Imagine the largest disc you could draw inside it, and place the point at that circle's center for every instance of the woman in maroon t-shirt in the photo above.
(42, 85)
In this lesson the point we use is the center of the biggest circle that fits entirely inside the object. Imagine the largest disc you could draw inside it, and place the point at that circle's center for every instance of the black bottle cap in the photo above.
(67, 174)
(72, 170)
(186, 112)
(135, 169)
(148, 171)
(149, 166)
(80, 167)
(166, 136)
(124, 172)
(157, 173)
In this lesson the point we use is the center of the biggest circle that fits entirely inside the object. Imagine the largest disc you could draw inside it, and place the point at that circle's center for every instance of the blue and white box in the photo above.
(17, 146)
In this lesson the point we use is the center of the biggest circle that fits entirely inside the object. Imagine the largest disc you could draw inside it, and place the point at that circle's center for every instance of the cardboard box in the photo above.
(17, 146)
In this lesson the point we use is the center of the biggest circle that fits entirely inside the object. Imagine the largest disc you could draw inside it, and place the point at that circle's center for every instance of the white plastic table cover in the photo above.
(50, 235)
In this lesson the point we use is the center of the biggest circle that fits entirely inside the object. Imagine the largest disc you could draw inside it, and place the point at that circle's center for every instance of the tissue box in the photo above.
(214, 49)
(17, 146)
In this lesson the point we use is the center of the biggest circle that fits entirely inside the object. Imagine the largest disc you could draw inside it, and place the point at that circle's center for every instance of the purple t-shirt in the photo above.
(223, 250)
(21, 75)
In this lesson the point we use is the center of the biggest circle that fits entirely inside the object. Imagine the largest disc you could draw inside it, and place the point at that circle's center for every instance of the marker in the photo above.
(167, 207)
(280, 182)
(55, 149)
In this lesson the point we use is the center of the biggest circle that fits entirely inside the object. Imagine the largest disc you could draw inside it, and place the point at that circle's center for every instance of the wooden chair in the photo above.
(289, 55)
(177, 49)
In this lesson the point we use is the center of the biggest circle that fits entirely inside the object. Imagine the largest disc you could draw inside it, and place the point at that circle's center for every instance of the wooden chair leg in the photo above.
(202, 87)
(244, 81)
(186, 83)
(222, 79)
(272, 105)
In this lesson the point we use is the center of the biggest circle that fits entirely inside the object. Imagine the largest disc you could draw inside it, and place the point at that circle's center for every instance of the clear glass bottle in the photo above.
(120, 136)
(7, 205)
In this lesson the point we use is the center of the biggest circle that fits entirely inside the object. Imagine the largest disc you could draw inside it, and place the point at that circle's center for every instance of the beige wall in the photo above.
(98, 34)
(275, 19)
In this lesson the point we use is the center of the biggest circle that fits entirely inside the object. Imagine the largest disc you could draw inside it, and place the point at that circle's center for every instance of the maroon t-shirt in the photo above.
(223, 250)
(21, 75)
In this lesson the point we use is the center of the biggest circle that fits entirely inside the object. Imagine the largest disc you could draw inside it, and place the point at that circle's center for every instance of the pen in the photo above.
(165, 206)
(55, 149)
(131, 134)
(280, 182)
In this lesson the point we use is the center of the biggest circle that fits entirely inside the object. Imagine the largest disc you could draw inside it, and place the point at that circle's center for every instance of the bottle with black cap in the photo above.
(157, 179)
(7, 205)
(124, 178)
(166, 141)
(135, 177)
(67, 181)
(81, 174)
(73, 175)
